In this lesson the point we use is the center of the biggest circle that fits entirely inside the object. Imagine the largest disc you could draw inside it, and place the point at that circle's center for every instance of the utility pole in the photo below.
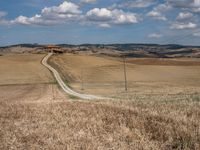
(82, 80)
(125, 78)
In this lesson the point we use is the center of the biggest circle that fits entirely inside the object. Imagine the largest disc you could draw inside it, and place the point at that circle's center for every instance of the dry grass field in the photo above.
(104, 75)
(156, 113)
(41, 117)
(23, 69)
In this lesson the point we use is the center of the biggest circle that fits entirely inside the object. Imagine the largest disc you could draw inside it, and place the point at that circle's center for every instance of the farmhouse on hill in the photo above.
(54, 49)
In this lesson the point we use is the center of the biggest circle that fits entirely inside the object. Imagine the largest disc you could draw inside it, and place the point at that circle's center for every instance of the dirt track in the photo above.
(63, 85)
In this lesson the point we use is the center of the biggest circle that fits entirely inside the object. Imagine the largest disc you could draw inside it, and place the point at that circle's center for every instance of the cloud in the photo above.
(163, 7)
(196, 10)
(116, 16)
(181, 26)
(196, 6)
(66, 11)
(36, 20)
(155, 35)
(193, 5)
(196, 34)
(2, 14)
(156, 15)
(88, 1)
(180, 3)
(184, 15)
(23, 20)
(5, 22)
(2, 20)
(136, 3)
(158, 12)
(102, 14)
(104, 25)
(197, 3)
(121, 17)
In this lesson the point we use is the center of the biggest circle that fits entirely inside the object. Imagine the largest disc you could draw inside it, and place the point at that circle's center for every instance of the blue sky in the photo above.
(100, 21)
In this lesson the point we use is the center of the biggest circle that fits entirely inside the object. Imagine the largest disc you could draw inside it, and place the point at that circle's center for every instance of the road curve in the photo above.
(63, 85)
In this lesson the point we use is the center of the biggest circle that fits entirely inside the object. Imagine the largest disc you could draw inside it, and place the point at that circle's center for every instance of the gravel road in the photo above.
(63, 85)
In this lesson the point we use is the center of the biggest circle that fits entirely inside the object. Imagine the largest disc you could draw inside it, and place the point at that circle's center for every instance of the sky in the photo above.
(99, 21)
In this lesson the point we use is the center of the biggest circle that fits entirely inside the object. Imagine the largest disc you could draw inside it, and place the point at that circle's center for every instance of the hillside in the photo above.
(128, 50)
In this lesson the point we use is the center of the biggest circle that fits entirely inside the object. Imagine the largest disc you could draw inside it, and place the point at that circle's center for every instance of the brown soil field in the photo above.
(23, 69)
(104, 75)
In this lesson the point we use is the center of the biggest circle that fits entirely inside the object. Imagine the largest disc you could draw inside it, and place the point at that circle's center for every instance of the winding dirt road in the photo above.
(63, 85)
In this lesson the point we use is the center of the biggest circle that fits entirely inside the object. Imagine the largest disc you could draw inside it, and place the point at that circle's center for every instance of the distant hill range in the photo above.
(128, 50)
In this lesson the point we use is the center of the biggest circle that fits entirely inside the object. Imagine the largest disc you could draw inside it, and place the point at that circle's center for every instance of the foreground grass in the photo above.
(100, 125)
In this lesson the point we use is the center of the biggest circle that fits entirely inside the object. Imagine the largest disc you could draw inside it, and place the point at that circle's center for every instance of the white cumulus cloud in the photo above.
(121, 17)
(156, 15)
(180, 25)
(52, 15)
(184, 15)
(64, 8)
(116, 16)
(158, 12)
(99, 14)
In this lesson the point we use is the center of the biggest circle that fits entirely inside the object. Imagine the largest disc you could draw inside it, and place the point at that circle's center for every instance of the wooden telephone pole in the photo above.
(82, 82)
(125, 78)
